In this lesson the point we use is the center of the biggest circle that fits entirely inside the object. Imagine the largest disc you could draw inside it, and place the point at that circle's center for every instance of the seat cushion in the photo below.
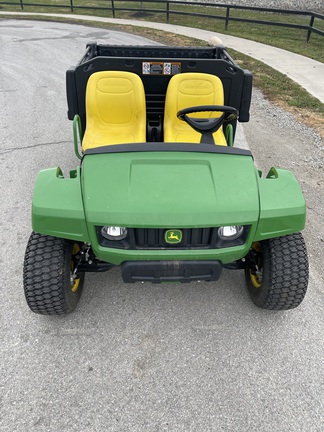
(115, 109)
(187, 90)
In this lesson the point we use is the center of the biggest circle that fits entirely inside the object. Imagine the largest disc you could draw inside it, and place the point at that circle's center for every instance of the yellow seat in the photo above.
(188, 90)
(115, 109)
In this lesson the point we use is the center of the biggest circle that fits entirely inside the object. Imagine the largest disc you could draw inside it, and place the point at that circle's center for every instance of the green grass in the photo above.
(278, 87)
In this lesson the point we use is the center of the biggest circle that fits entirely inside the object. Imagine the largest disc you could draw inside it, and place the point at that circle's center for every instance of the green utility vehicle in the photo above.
(161, 191)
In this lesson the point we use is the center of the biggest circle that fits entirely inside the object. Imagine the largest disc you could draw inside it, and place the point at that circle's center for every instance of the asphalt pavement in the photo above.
(197, 357)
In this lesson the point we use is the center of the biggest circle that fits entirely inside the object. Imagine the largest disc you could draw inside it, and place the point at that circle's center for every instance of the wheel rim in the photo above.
(75, 285)
(256, 279)
(75, 281)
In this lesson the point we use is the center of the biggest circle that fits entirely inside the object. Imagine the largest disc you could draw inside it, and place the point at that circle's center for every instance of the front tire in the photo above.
(49, 286)
(282, 277)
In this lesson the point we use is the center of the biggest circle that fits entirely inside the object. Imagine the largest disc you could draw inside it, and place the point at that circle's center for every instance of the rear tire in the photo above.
(283, 278)
(48, 266)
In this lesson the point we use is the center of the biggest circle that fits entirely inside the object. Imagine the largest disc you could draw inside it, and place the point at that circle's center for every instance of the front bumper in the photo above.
(170, 271)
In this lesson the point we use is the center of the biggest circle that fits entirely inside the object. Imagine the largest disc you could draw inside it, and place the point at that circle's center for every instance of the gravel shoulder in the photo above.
(277, 139)
(315, 5)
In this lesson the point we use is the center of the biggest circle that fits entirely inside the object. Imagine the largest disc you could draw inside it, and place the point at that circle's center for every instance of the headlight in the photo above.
(114, 232)
(230, 232)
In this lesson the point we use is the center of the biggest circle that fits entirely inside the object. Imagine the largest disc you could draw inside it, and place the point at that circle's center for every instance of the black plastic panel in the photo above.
(170, 271)
(168, 147)
(154, 239)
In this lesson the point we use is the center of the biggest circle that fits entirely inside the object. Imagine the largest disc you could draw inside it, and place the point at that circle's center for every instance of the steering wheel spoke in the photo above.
(207, 126)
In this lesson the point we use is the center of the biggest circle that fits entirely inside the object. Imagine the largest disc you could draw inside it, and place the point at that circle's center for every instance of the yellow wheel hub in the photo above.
(76, 282)
(255, 279)
(75, 285)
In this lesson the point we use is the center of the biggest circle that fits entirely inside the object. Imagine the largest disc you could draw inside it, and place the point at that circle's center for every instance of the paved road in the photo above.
(197, 357)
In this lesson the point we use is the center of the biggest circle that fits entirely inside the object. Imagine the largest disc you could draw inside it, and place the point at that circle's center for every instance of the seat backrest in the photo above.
(115, 109)
(188, 90)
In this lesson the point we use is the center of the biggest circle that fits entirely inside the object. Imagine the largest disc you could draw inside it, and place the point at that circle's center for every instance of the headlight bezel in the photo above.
(230, 232)
(114, 233)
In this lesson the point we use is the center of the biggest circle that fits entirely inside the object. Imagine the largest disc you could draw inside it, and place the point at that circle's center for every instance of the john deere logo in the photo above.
(173, 236)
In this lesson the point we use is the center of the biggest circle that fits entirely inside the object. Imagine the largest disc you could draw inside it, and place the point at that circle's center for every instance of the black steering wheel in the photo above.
(207, 126)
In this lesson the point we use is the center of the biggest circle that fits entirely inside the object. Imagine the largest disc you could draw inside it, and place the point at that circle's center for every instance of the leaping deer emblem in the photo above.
(173, 236)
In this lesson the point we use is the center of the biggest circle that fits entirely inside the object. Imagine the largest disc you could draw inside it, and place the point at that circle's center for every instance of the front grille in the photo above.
(154, 238)
(148, 238)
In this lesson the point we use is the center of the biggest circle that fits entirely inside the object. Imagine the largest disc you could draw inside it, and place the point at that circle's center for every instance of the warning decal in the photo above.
(161, 68)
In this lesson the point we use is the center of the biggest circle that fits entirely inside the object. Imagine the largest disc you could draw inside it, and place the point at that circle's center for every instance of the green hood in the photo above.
(169, 189)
